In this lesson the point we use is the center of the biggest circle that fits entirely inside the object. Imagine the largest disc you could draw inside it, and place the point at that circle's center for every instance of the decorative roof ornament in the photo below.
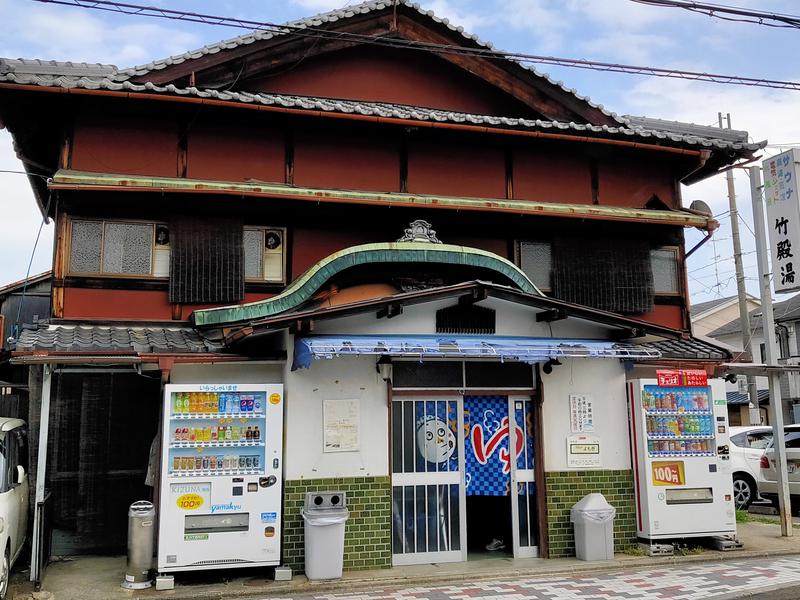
(420, 231)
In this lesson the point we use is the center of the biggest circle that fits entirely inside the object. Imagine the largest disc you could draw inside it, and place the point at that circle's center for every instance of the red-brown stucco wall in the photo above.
(392, 75)
(133, 146)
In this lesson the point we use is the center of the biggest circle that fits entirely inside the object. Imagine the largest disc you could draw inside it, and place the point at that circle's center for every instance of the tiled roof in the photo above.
(34, 66)
(330, 17)
(32, 280)
(788, 310)
(98, 76)
(735, 326)
(689, 349)
(701, 307)
(740, 398)
(96, 339)
(681, 128)
(377, 109)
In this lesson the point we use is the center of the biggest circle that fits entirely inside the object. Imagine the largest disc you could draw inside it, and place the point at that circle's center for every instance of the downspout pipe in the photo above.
(700, 243)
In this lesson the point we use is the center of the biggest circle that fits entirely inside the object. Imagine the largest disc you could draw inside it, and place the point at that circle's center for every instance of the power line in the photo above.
(730, 13)
(30, 264)
(45, 177)
(525, 59)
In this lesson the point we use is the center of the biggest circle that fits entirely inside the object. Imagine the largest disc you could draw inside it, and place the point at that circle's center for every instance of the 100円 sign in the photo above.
(783, 218)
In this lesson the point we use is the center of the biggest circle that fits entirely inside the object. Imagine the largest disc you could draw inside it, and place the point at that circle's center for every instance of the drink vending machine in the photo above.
(220, 477)
(679, 439)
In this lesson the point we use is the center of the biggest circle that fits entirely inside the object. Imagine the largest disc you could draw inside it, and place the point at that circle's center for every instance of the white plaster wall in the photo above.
(244, 372)
(512, 320)
(339, 378)
(604, 380)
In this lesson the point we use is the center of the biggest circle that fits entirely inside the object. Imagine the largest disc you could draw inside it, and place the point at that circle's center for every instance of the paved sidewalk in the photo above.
(98, 578)
(735, 579)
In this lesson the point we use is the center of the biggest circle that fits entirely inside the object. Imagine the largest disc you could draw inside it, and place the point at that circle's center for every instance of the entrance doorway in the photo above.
(462, 476)
(499, 475)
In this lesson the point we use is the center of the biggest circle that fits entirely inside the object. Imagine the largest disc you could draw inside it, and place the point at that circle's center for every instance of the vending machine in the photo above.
(220, 477)
(679, 439)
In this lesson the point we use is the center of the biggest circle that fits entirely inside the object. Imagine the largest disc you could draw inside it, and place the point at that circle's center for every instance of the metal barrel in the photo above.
(141, 534)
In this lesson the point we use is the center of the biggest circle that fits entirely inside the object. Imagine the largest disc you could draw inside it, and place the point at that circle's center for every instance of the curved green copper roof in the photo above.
(305, 286)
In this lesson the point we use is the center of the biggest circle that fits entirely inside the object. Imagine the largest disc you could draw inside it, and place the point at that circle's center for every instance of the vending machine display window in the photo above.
(678, 421)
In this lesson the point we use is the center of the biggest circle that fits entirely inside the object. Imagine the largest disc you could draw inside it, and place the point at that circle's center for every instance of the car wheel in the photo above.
(5, 574)
(743, 492)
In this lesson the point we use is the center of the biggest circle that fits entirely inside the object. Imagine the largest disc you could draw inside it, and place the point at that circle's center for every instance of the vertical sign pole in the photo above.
(744, 317)
(776, 404)
(41, 472)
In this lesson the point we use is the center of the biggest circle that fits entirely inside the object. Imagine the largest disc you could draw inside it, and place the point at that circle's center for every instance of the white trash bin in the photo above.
(593, 520)
(325, 515)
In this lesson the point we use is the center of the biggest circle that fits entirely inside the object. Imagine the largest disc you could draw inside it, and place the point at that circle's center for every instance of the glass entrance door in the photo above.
(428, 517)
(523, 480)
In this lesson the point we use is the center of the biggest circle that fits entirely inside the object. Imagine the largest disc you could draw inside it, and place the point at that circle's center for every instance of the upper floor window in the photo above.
(538, 261)
(264, 256)
(666, 276)
(119, 248)
(141, 249)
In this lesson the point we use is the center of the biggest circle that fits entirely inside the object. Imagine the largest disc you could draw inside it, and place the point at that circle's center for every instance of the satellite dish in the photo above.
(700, 206)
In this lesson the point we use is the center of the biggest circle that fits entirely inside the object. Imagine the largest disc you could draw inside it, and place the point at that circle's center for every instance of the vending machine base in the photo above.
(165, 582)
(726, 543)
(656, 549)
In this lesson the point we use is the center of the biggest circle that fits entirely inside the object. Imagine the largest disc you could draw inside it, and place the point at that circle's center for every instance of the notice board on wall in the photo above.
(341, 425)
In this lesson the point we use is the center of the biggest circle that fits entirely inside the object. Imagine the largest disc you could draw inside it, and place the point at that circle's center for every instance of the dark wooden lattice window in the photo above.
(207, 262)
(465, 318)
(614, 275)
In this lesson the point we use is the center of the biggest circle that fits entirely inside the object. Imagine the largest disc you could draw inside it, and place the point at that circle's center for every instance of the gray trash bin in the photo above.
(325, 515)
(593, 520)
(141, 518)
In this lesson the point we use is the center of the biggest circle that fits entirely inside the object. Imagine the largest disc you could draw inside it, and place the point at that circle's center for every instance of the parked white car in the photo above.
(747, 447)
(13, 494)
(769, 488)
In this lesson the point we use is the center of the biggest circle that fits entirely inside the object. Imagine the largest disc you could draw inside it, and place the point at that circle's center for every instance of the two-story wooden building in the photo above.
(235, 213)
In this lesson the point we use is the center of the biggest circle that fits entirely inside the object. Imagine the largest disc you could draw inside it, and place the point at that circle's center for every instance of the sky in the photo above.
(602, 30)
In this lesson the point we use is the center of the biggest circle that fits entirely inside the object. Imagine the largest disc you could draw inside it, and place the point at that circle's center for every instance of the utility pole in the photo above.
(752, 390)
(776, 402)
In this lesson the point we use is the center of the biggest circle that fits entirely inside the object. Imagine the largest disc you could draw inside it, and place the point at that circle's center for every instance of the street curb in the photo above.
(342, 586)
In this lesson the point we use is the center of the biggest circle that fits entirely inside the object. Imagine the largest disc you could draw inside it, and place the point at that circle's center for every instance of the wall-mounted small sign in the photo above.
(342, 420)
(581, 413)
(668, 473)
(682, 378)
(583, 451)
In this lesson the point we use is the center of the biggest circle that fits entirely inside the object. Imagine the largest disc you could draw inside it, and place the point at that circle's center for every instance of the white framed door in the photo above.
(428, 502)
(524, 517)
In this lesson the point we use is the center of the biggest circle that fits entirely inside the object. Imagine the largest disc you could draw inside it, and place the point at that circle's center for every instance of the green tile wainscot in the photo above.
(565, 488)
(367, 540)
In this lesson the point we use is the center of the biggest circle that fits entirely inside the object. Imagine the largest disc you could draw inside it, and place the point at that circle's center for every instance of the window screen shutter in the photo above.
(206, 260)
(614, 275)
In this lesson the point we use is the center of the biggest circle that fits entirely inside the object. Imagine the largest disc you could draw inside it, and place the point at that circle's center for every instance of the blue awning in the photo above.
(524, 349)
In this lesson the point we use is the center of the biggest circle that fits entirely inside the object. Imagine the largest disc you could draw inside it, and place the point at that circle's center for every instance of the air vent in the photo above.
(230, 561)
(465, 319)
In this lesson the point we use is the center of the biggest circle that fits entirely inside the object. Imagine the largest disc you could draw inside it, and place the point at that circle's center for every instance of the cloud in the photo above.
(323, 5)
(21, 220)
(766, 114)
(621, 15)
(629, 47)
(549, 23)
(64, 33)
(460, 16)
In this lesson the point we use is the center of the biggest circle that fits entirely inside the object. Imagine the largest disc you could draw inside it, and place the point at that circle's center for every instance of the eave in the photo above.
(85, 181)
(628, 327)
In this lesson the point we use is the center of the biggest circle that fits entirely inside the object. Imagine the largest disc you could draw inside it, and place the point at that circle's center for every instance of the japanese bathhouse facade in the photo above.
(451, 242)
